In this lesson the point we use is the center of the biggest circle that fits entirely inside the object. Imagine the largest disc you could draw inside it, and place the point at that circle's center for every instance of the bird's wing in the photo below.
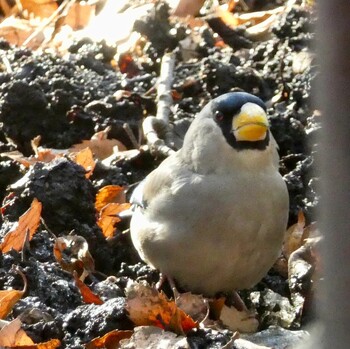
(159, 180)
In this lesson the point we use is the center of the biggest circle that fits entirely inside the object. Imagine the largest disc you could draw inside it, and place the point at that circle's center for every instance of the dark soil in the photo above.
(67, 100)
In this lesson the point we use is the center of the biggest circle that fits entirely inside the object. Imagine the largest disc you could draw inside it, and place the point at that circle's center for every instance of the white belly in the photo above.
(214, 238)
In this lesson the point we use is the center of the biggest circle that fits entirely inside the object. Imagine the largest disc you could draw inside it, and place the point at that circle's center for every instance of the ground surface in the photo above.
(67, 100)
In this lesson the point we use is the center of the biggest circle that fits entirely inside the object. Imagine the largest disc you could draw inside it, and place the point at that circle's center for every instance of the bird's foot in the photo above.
(238, 302)
(171, 281)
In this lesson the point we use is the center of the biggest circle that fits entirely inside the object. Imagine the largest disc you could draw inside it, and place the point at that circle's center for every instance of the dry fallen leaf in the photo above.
(88, 296)
(100, 145)
(110, 340)
(154, 337)
(8, 298)
(193, 305)
(109, 194)
(148, 307)
(79, 14)
(242, 321)
(40, 8)
(72, 253)
(108, 218)
(294, 237)
(188, 8)
(29, 221)
(43, 155)
(85, 159)
(12, 334)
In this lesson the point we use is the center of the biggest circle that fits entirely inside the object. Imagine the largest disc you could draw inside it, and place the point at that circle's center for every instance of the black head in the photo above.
(242, 119)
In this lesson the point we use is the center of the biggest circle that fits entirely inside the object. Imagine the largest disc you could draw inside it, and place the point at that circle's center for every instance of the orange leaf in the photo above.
(85, 159)
(100, 145)
(108, 194)
(110, 340)
(148, 307)
(108, 217)
(185, 8)
(40, 8)
(88, 296)
(294, 237)
(29, 221)
(51, 344)
(8, 298)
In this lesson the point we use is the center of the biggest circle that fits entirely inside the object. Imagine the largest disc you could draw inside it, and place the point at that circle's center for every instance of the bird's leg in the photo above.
(238, 302)
(162, 278)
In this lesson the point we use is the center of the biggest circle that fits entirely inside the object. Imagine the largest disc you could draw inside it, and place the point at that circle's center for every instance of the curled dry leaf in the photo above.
(110, 340)
(72, 253)
(42, 155)
(188, 8)
(242, 321)
(108, 218)
(194, 305)
(100, 145)
(294, 237)
(13, 337)
(148, 307)
(109, 194)
(40, 8)
(12, 334)
(8, 298)
(88, 296)
(85, 159)
(28, 222)
(154, 337)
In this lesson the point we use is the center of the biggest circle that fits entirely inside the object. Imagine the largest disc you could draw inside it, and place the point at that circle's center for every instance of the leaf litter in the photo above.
(74, 107)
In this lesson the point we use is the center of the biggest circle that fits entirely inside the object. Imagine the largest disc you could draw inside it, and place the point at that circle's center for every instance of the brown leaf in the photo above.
(16, 31)
(79, 15)
(108, 218)
(85, 159)
(8, 298)
(188, 8)
(29, 221)
(148, 307)
(294, 236)
(110, 340)
(109, 194)
(51, 344)
(127, 65)
(88, 296)
(40, 8)
(194, 305)
(12, 334)
(242, 321)
(100, 145)
(72, 252)
(43, 155)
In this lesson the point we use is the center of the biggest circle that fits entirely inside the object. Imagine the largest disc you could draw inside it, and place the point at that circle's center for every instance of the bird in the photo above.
(212, 216)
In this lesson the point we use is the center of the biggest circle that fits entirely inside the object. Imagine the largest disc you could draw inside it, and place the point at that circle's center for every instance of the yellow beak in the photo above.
(250, 124)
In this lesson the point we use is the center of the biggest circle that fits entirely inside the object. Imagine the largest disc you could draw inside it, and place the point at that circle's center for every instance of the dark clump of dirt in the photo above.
(68, 99)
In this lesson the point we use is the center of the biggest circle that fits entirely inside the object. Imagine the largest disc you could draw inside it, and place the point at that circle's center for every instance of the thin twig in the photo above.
(131, 135)
(48, 21)
(156, 129)
(6, 64)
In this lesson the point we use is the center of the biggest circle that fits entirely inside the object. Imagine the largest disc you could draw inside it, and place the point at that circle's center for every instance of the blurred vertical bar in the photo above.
(333, 53)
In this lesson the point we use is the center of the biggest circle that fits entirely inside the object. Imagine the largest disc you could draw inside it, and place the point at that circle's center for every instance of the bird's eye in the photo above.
(219, 116)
